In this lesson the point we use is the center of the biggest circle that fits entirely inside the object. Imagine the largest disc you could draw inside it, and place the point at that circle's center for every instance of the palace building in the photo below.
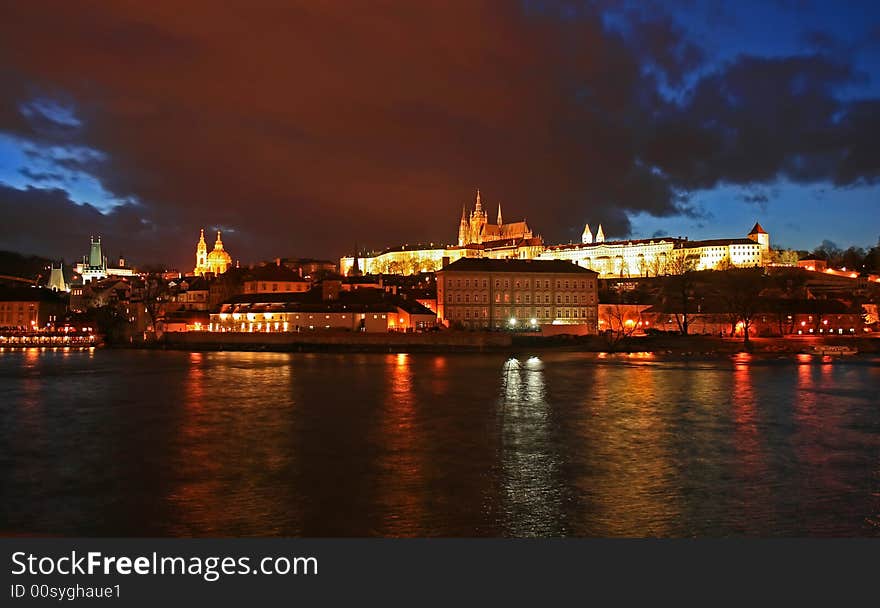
(216, 262)
(657, 257)
(477, 238)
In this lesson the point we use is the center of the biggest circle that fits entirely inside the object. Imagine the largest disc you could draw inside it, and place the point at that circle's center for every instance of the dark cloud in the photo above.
(306, 126)
(46, 222)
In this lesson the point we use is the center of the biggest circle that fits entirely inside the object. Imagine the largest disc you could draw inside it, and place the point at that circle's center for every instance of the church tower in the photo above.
(499, 215)
(600, 235)
(587, 236)
(463, 228)
(201, 255)
(478, 220)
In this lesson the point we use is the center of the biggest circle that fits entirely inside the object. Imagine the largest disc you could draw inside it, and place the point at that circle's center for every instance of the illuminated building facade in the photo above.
(478, 230)
(29, 309)
(477, 238)
(657, 257)
(517, 294)
(94, 266)
(363, 310)
(216, 262)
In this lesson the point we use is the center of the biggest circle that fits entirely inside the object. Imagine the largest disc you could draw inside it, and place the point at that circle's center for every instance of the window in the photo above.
(558, 299)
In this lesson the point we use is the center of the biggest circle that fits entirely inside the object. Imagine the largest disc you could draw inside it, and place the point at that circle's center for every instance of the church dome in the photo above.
(219, 256)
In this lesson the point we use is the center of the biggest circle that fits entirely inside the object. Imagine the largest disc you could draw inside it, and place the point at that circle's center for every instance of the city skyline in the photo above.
(327, 130)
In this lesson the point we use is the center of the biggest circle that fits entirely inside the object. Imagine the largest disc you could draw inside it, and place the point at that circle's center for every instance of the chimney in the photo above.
(444, 262)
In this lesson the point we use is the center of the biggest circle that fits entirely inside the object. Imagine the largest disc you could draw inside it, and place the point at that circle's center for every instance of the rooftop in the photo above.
(491, 265)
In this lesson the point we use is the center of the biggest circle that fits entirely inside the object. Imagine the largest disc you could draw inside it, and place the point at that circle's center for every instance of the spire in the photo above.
(600, 235)
(218, 244)
(499, 214)
(479, 206)
(587, 236)
(355, 270)
(463, 215)
(201, 236)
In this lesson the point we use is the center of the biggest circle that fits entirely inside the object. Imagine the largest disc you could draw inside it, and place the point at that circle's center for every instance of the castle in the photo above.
(477, 238)
(216, 262)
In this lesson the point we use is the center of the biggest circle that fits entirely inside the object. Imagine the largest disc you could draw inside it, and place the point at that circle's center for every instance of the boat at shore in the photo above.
(831, 349)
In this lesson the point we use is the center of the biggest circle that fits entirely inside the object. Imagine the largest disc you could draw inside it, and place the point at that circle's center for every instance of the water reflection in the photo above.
(532, 494)
(171, 443)
(400, 484)
(230, 448)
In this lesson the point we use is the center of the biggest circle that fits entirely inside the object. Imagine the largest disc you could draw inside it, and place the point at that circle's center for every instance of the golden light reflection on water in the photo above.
(420, 445)
(750, 462)
(209, 465)
(400, 484)
(629, 487)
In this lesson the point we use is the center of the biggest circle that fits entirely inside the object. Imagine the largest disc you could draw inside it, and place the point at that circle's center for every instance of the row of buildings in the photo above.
(478, 238)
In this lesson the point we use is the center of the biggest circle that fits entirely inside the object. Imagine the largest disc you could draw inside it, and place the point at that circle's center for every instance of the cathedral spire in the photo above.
(587, 236)
(499, 214)
(355, 270)
(479, 206)
(463, 215)
(218, 244)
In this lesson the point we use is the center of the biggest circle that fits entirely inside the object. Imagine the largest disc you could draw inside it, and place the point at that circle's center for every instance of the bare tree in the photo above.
(619, 320)
(741, 289)
(679, 287)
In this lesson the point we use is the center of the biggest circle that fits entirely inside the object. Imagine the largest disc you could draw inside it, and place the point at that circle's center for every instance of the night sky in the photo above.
(302, 128)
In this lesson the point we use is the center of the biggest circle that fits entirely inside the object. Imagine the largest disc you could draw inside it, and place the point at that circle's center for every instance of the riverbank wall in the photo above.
(463, 341)
(347, 341)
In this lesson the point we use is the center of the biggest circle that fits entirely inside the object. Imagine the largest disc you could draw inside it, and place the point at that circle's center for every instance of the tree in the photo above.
(679, 287)
(741, 290)
(784, 257)
(619, 320)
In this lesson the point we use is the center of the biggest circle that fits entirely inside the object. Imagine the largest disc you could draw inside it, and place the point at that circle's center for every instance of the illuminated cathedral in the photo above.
(478, 230)
(216, 262)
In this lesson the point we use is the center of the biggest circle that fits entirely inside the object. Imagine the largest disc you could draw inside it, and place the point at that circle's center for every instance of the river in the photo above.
(105, 442)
